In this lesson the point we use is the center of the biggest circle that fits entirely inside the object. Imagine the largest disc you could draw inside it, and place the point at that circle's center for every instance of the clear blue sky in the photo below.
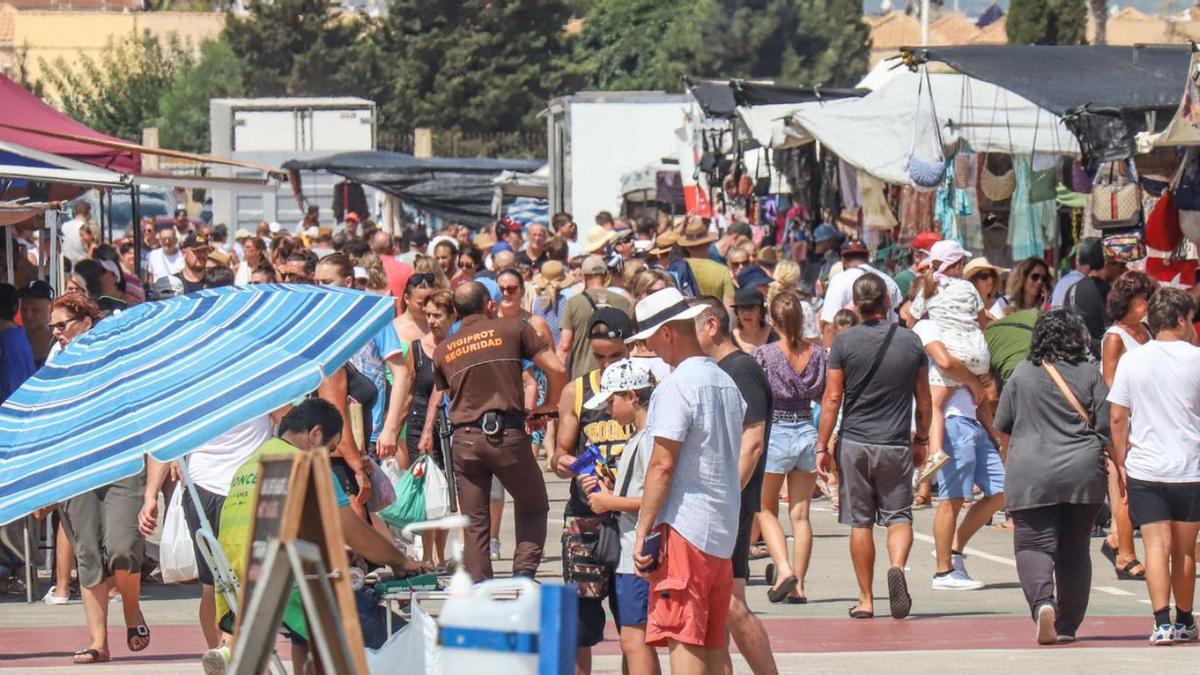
(977, 7)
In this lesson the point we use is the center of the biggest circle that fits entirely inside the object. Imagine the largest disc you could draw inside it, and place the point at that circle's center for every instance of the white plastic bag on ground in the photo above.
(177, 557)
(412, 649)
(437, 492)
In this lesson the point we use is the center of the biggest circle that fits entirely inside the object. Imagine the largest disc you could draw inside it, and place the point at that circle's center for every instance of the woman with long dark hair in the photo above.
(1054, 408)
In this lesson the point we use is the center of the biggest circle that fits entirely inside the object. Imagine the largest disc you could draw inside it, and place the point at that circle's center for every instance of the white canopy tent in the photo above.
(1184, 127)
(875, 133)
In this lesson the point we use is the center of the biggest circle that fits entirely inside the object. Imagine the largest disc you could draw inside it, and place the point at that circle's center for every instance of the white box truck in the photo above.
(271, 131)
(597, 137)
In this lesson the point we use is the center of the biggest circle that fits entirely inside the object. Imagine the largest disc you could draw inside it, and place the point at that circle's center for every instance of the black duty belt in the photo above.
(493, 423)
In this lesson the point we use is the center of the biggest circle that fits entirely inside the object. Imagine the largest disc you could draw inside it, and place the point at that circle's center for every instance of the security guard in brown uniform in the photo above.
(480, 367)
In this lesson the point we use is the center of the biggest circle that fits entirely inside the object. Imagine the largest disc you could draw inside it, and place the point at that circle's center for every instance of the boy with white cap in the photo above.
(625, 389)
(691, 499)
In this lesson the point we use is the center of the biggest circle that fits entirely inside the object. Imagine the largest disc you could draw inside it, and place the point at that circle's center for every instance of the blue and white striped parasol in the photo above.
(164, 377)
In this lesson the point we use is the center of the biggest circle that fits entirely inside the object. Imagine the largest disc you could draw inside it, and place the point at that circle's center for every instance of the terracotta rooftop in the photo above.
(77, 5)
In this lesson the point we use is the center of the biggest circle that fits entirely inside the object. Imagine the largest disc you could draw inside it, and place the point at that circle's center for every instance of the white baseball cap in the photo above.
(624, 375)
(660, 307)
(948, 251)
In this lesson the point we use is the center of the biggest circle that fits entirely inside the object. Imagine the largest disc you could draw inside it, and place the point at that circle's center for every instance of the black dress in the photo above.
(422, 389)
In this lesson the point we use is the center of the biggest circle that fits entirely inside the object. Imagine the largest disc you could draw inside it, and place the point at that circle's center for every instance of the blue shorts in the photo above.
(633, 600)
(792, 447)
(974, 460)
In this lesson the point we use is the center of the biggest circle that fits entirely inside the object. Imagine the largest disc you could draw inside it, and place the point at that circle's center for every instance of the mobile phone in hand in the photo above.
(652, 546)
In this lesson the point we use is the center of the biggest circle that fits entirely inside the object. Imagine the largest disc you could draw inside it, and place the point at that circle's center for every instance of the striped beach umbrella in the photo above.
(164, 377)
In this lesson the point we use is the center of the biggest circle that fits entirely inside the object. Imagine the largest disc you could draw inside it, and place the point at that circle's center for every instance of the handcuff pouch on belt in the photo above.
(492, 424)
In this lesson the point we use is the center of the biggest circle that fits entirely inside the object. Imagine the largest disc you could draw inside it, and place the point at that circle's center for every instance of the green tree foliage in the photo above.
(270, 38)
(647, 44)
(1047, 22)
(635, 44)
(472, 66)
(118, 93)
(183, 119)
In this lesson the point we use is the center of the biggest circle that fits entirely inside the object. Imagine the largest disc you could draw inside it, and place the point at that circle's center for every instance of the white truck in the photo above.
(271, 131)
(597, 137)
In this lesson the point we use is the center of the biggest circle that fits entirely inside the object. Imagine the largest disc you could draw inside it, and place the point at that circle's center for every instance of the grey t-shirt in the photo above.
(631, 465)
(1053, 458)
(882, 413)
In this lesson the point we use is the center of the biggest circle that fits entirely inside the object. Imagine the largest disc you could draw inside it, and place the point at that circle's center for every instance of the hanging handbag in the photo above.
(607, 549)
(1043, 186)
(926, 174)
(965, 164)
(1186, 186)
(1116, 205)
(997, 187)
(1126, 247)
(1081, 182)
(1162, 224)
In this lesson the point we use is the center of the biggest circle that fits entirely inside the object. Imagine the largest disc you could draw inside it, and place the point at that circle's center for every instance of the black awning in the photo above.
(1061, 78)
(715, 97)
(453, 188)
(753, 93)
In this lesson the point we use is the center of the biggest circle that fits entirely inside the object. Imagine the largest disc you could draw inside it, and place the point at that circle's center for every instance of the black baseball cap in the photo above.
(616, 324)
(748, 296)
(38, 289)
(196, 240)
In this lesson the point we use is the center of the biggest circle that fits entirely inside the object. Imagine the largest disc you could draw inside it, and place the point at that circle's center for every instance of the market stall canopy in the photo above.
(20, 211)
(519, 184)
(452, 188)
(23, 112)
(721, 98)
(875, 133)
(1060, 78)
(114, 395)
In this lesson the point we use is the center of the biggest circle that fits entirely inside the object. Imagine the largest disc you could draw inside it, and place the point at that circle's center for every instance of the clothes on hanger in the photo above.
(1026, 224)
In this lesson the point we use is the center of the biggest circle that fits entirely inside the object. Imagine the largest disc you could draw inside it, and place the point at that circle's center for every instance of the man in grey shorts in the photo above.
(876, 371)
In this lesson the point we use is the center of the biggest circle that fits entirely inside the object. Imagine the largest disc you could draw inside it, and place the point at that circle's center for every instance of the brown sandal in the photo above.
(922, 502)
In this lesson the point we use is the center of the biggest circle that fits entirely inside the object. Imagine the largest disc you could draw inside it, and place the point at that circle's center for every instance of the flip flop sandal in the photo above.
(796, 600)
(1126, 573)
(139, 631)
(856, 613)
(921, 502)
(759, 552)
(898, 598)
(785, 588)
(85, 656)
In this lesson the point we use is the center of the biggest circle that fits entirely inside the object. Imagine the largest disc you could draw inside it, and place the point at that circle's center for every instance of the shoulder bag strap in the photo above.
(629, 474)
(590, 300)
(849, 405)
(1067, 393)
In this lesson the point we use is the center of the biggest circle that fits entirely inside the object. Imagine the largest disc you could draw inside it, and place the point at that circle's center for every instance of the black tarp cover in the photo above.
(1061, 77)
(452, 188)
(720, 98)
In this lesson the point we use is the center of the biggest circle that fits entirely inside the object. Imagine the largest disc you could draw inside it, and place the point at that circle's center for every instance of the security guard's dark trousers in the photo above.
(476, 459)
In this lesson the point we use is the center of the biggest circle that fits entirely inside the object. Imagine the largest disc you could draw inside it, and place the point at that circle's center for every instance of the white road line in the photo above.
(970, 552)
(1112, 591)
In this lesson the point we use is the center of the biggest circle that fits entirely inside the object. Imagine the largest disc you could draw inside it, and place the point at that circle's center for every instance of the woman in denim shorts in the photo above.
(796, 370)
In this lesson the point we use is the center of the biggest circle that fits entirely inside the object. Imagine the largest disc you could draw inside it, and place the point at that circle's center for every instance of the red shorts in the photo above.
(689, 595)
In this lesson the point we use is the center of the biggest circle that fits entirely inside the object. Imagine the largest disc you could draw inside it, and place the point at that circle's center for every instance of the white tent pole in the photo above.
(8, 254)
(924, 23)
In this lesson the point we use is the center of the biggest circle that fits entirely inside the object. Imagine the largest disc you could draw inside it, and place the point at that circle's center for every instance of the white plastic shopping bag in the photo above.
(177, 557)
(437, 492)
(412, 649)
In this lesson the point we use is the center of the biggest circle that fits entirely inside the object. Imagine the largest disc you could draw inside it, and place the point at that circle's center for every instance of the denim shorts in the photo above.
(974, 460)
(792, 447)
(633, 599)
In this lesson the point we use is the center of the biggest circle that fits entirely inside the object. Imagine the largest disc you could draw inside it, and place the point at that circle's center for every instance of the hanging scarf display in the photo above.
(877, 215)
(1026, 224)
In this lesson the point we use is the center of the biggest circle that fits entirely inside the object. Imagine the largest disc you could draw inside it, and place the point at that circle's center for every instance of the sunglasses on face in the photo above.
(467, 264)
(61, 325)
(422, 280)
(294, 278)
(1037, 277)
(510, 290)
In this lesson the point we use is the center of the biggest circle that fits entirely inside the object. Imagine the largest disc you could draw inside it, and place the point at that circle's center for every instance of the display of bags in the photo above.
(1126, 247)
(1116, 203)
(177, 556)
(437, 492)
(997, 184)
(1043, 185)
(410, 497)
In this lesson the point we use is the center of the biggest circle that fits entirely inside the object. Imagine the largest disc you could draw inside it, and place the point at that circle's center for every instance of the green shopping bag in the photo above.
(409, 506)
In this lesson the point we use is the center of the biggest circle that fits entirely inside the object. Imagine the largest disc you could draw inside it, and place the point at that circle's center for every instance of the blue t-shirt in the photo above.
(16, 361)
(371, 361)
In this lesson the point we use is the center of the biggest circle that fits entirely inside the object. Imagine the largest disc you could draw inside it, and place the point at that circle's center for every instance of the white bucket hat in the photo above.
(659, 308)
(624, 375)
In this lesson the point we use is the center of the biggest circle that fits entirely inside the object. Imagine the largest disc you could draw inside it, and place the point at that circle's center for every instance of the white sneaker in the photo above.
(495, 549)
(956, 562)
(1187, 633)
(216, 661)
(51, 599)
(955, 581)
(1163, 634)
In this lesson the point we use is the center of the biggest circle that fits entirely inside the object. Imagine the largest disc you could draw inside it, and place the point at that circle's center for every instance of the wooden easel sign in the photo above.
(296, 539)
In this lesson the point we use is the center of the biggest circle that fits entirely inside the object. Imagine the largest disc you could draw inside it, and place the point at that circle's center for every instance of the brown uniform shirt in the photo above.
(481, 366)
